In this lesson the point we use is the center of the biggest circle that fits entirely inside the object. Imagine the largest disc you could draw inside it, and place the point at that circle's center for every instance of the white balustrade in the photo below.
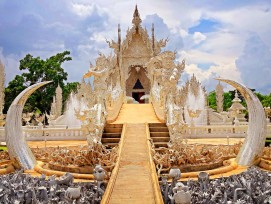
(34, 134)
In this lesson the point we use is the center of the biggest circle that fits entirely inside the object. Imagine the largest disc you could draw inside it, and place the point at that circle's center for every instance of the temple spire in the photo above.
(219, 97)
(152, 30)
(2, 87)
(136, 20)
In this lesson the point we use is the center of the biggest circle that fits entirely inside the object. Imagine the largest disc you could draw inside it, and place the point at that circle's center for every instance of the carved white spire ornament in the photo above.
(219, 97)
(58, 101)
(53, 107)
(2, 87)
(136, 20)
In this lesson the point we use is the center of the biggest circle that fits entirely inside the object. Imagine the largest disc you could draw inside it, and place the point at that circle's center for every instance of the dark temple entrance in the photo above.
(138, 95)
(138, 91)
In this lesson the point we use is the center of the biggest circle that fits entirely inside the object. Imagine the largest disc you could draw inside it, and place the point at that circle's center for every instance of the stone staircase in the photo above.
(111, 135)
(159, 134)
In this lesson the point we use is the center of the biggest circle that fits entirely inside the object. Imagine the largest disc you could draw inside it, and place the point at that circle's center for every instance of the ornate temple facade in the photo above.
(133, 53)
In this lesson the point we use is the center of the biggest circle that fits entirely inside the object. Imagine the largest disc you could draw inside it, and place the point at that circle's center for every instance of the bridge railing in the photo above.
(114, 107)
(34, 134)
(63, 133)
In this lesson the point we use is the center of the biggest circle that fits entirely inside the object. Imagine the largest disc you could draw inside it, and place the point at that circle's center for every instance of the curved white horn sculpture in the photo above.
(256, 134)
(17, 147)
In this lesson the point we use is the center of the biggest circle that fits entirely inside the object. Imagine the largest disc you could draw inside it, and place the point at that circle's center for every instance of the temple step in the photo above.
(110, 140)
(112, 130)
(158, 129)
(157, 125)
(159, 134)
(160, 139)
(111, 135)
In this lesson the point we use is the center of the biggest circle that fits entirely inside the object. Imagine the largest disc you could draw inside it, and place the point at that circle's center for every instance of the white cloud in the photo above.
(11, 64)
(82, 9)
(198, 37)
(201, 57)
(206, 77)
(255, 64)
(82, 27)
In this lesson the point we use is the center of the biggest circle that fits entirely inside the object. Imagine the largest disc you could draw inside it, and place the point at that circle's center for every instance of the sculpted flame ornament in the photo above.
(18, 149)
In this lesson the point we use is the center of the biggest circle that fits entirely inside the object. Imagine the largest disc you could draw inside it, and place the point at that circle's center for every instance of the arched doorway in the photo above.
(137, 84)
(138, 91)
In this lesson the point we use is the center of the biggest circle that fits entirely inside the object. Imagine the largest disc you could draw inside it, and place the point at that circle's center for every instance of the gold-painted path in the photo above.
(134, 178)
(136, 113)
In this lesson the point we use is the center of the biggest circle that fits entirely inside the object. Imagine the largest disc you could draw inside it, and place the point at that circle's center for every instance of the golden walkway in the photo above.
(134, 178)
(136, 113)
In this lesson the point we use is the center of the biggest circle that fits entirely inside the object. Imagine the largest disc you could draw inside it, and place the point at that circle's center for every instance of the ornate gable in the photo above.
(137, 42)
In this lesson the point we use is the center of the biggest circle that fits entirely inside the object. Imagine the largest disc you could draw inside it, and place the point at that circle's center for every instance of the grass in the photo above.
(4, 148)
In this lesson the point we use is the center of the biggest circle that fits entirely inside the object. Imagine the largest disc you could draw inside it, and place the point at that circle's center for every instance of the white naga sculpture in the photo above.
(18, 149)
(165, 75)
(94, 118)
(102, 70)
(255, 140)
(93, 121)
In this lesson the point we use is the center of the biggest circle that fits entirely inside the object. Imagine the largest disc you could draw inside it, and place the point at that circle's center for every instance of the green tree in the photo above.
(227, 100)
(70, 87)
(14, 88)
(267, 101)
(37, 70)
(212, 100)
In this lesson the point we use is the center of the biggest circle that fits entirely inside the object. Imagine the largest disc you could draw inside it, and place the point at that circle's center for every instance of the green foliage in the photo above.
(265, 99)
(15, 87)
(37, 70)
(4, 148)
(212, 100)
(229, 96)
(227, 100)
(70, 87)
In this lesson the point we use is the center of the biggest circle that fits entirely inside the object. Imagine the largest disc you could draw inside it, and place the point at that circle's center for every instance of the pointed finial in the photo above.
(236, 94)
(136, 14)
(136, 20)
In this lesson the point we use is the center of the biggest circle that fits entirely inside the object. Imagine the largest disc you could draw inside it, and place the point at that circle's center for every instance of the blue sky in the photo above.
(225, 38)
